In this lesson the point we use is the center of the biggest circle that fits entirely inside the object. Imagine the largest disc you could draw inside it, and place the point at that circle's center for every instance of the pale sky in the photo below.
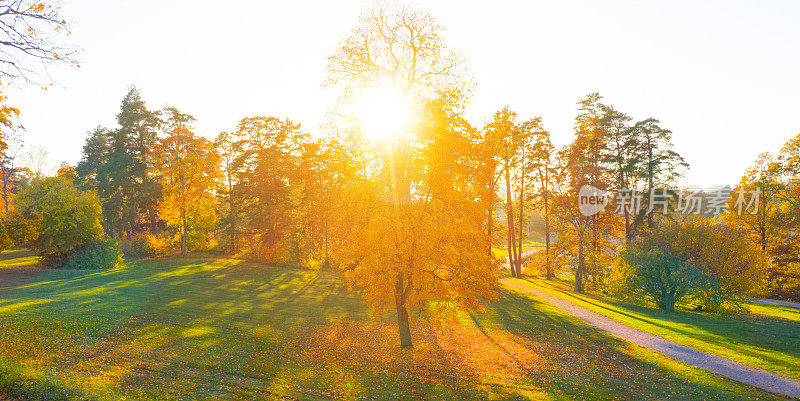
(724, 76)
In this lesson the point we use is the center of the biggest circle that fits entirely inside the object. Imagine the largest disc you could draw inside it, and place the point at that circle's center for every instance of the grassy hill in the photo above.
(200, 328)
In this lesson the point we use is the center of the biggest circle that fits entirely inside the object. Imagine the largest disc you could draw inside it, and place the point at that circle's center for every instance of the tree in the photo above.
(711, 264)
(225, 147)
(187, 168)
(655, 163)
(759, 220)
(116, 163)
(268, 152)
(505, 133)
(322, 174)
(9, 170)
(541, 165)
(580, 163)
(38, 160)
(94, 157)
(620, 156)
(402, 256)
(30, 33)
(65, 219)
(66, 172)
(423, 249)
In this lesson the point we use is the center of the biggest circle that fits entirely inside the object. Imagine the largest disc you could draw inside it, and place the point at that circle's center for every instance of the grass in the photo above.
(768, 337)
(527, 245)
(201, 328)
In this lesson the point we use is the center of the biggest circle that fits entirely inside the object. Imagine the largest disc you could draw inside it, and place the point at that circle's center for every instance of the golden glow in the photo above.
(383, 113)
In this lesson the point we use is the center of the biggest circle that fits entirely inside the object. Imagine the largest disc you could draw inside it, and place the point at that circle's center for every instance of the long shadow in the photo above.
(714, 327)
(570, 348)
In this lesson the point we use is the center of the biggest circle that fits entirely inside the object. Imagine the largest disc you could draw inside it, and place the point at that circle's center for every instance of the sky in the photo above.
(724, 76)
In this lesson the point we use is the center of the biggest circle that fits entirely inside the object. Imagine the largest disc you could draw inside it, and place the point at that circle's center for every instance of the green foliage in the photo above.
(704, 263)
(144, 245)
(115, 164)
(102, 254)
(662, 276)
(5, 236)
(67, 219)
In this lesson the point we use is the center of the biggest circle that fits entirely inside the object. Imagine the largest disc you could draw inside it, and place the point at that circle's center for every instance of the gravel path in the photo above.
(756, 377)
(774, 302)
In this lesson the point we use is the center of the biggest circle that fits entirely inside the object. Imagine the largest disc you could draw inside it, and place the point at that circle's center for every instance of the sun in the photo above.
(383, 113)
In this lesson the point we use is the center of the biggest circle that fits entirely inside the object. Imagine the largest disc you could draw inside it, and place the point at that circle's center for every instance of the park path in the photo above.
(774, 302)
(736, 371)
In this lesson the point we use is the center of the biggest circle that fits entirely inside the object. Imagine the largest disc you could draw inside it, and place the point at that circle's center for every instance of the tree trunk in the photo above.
(668, 302)
(521, 219)
(403, 325)
(183, 235)
(510, 243)
(548, 263)
(6, 177)
(232, 216)
(489, 223)
(579, 270)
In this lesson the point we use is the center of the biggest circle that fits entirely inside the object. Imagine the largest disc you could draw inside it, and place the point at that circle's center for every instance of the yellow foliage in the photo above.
(188, 169)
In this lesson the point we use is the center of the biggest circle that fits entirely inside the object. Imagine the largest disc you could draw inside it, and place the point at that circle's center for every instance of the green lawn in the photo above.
(197, 328)
(768, 337)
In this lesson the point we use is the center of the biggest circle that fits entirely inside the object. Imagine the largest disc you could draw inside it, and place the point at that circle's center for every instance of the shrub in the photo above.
(102, 254)
(652, 272)
(696, 261)
(62, 219)
(198, 241)
(145, 245)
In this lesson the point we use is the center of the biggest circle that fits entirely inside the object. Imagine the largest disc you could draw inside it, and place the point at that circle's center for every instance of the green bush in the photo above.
(697, 261)
(662, 276)
(102, 254)
(61, 219)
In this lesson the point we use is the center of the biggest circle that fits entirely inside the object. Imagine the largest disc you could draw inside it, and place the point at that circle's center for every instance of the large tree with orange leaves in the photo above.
(419, 243)
(187, 167)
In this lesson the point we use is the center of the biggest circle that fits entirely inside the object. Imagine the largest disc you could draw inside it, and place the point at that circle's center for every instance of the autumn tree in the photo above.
(267, 155)
(543, 172)
(421, 245)
(187, 167)
(581, 163)
(711, 264)
(64, 219)
(31, 38)
(323, 172)
(504, 133)
(753, 206)
(226, 149)
(518, 147)
(9, 170)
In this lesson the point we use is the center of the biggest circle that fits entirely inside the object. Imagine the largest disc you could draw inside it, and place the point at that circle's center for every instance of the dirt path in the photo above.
(756, 377)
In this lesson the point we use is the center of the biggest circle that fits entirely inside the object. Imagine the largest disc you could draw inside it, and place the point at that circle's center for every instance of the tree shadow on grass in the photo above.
(584, 362)
(726, 331)
(194, 328)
